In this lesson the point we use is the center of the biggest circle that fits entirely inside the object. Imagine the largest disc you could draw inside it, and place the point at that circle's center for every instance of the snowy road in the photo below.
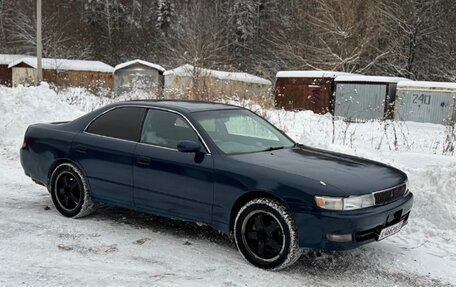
(115, 247)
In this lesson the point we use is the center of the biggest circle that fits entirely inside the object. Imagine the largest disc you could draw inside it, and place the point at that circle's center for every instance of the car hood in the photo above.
(338, 173)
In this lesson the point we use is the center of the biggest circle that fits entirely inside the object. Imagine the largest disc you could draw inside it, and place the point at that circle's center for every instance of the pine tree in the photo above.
(165, 16)
(244, 17)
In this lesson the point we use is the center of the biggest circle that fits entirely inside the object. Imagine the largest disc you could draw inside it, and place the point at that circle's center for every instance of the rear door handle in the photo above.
(81, 149)
(142, 160)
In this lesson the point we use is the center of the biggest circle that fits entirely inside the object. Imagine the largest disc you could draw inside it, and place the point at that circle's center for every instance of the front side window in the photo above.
(166, 129)
(121, 123)
(241, 131)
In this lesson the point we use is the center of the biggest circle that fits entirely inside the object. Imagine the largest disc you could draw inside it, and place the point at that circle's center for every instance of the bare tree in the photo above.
(56, 41)
(411, 38)
(2, 21)
(107, 14)
(197, 39)
(338, 36)
(410, 33)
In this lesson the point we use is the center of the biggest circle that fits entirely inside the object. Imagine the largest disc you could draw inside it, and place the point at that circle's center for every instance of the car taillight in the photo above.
(24, 143)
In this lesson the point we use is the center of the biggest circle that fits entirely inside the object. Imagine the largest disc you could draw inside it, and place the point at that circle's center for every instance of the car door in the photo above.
(106, 153)
(167, 181)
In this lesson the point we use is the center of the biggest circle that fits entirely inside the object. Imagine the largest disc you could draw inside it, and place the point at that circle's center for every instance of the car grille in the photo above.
(389, 195)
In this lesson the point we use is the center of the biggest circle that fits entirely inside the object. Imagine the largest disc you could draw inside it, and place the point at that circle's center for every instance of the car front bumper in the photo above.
(364, 225)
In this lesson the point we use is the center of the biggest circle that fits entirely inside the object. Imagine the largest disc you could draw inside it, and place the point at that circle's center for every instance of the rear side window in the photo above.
(120, 123)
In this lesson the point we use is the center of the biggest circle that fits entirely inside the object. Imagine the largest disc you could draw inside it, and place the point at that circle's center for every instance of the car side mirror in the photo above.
(188, 146)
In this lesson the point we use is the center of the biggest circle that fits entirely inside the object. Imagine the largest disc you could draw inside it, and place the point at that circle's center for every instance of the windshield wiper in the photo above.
(273, 148)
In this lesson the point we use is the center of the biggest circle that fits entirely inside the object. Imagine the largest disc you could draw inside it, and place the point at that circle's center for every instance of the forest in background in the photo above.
(408, 38)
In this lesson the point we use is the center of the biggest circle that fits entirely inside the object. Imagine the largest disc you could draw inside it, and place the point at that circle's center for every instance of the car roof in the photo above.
(181, 105)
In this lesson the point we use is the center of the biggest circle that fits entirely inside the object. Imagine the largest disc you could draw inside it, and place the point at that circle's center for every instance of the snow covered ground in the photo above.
(38, 247)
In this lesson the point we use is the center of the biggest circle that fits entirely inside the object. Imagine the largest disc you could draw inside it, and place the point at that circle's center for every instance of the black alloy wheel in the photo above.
(69, 191)
(265, 234)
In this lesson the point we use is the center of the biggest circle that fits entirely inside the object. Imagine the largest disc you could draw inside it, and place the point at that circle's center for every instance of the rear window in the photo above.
(120, 123)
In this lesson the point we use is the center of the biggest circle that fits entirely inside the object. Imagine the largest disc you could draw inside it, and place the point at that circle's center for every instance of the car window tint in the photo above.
(166, 129)
(121, 123)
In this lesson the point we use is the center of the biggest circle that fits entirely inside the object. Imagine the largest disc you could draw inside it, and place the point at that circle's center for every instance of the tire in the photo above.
(69, 191)
(265, 234)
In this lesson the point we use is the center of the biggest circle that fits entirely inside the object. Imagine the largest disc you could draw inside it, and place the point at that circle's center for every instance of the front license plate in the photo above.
(388, 231)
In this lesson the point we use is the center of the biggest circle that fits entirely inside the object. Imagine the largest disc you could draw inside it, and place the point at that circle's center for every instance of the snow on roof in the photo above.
(187, 70)
(138, 61)
(426, 85)
(6, 59)
(66, 65)
(311, 74)
(369, 79)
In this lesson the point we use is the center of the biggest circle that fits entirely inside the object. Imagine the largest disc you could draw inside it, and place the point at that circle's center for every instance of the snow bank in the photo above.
(23, 106)
(319, 130)
(87, 101)
(435, 187)
(82, 99)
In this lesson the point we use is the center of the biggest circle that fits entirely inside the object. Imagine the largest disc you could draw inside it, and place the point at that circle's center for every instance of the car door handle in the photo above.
(81, 149)
(142, 160)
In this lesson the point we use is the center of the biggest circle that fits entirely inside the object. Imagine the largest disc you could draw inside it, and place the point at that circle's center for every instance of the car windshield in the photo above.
(241, 131)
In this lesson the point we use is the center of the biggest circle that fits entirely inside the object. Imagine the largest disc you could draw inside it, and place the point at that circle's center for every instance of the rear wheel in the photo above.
(69, 191)
(265, 234)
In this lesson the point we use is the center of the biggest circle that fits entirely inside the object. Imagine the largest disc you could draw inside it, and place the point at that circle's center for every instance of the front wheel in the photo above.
(265, 234)
(69, 191)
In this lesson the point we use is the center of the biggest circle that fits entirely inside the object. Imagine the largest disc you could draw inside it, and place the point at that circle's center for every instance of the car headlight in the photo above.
(345, 203)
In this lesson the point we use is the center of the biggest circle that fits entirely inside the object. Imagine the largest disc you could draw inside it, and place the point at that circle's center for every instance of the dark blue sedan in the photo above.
(221, 165)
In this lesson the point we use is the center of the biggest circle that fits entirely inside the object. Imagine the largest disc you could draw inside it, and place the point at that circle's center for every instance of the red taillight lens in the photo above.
(24, 143)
